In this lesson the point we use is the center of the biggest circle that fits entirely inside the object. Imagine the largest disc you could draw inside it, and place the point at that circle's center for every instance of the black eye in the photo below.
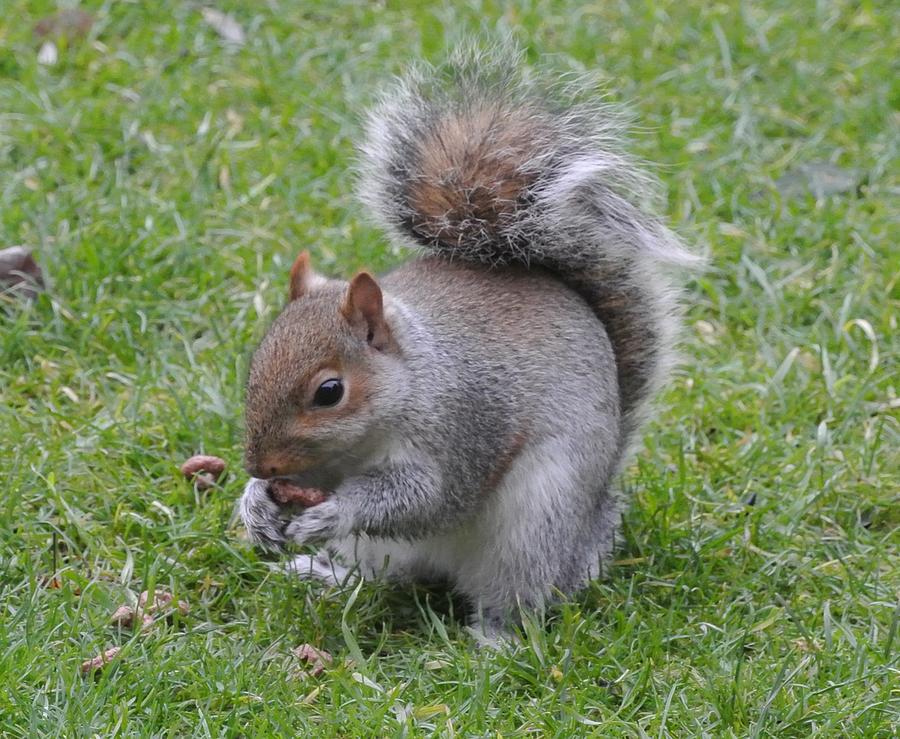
(329, 392)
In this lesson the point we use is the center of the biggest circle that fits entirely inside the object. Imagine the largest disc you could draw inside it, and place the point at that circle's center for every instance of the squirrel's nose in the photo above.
(260, 467)
(267, 466)
(264, 470)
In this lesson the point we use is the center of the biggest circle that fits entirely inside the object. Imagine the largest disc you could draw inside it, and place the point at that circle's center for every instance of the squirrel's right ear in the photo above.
(363, 308)
(303, 278)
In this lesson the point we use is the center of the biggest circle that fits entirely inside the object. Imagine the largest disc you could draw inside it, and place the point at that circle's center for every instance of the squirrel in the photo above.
(468, 414)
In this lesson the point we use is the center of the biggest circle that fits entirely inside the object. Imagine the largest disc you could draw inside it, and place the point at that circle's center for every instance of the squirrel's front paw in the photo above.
(317, 524)
(262, 516)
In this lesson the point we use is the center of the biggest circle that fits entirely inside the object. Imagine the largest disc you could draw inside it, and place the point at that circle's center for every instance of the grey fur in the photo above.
(584, 213)
(527, 347)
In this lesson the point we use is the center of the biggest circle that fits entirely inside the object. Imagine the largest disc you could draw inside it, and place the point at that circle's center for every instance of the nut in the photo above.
(285, 493)
(100, 661)
(203, 470)
(318, 658)
(150, 604)
(123, 616)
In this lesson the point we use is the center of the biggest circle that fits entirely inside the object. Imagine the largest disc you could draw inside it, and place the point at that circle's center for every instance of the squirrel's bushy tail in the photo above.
(478, 161)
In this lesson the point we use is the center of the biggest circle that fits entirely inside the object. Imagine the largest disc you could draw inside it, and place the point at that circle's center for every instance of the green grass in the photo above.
(166, 181)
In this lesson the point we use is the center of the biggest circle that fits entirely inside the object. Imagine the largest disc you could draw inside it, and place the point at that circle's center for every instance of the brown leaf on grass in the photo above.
(54, 582)
(225, 25)
(318, 658)
(20, 272)
(100, 661)
(203, 470)
(71, 23)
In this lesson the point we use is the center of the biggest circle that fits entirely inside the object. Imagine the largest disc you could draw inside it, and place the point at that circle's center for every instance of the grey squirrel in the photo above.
(468, 413)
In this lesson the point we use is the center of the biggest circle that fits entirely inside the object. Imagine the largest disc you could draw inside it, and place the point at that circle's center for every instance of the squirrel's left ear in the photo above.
(363, 308)
(303, 277)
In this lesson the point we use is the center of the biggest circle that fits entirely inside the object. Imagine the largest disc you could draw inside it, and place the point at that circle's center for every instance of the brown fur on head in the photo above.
(329, 331)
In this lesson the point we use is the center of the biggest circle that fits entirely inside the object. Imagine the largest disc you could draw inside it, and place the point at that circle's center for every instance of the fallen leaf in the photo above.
(100, 661)
(51, 583)
(225, 25)
(19, 270)
(318, 658)
(72, 23)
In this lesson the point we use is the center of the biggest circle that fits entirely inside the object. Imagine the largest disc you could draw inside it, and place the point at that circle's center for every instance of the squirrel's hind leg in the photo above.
(546, 531)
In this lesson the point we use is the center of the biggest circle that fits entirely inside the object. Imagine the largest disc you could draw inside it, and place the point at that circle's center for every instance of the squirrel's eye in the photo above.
(329, 392)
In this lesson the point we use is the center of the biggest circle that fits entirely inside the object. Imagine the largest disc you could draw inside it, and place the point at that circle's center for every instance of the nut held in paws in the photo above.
(285, 492)
(204, 470)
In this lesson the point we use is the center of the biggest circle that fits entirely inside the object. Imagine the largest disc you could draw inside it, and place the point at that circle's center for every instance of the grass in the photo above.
(165, 181)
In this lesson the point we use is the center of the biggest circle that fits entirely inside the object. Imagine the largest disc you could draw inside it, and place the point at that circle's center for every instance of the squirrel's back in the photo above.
(522, 321)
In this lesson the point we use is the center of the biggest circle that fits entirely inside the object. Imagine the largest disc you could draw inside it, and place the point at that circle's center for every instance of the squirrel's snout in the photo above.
(269, 465)
(266, 469)
(255, 467)
(263, 466)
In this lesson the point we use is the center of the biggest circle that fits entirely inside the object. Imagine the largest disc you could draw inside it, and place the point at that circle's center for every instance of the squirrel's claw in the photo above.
(316, 524)
(262, 516)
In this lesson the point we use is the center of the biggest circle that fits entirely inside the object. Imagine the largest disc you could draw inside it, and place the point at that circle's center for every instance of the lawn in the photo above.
(165, 178)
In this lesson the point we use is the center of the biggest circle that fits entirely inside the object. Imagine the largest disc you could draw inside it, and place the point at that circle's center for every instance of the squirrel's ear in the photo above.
(302, 276)
(363, 308)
